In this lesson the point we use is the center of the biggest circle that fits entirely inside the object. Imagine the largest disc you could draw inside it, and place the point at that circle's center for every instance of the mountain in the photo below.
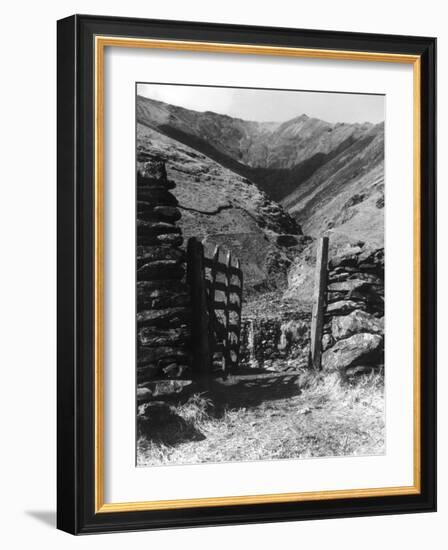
(225, 208)
(250, 185)
(277, 156)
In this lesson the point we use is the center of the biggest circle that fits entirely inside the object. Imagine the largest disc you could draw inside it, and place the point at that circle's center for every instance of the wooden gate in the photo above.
(216, 283)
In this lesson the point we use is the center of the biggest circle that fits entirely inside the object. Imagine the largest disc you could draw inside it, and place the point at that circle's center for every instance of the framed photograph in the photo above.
(246, 274)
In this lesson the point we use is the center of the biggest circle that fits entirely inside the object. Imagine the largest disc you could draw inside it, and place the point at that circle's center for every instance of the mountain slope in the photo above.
(346, 194)
(276, 156)
(224, 208)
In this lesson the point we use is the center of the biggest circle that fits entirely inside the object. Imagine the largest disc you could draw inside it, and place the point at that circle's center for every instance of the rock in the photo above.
(156, 197)
(157, 421)
(165, 299)
(148, 212)
(359, 349)
(168, 212)
(165, 388)
(155, 184)
(171, 239)
(342, 307)
(152, 229)
(172, 317)
(287, 240)
(349, 285)
(152, 170)
(172, 301)
(147, 254)
(372, 257)
(370, 297)
(371, 278)
(292, 332)
(357, 321)
(144, 287)
(327, 341)
(149, 355)
(161, 269)
(344, 271)
(345, 258)
(151, 336)
(143, 394)
(152, 417)
(173, 370)
(148, 372)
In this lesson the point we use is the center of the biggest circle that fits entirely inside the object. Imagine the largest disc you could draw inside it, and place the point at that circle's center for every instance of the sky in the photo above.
(270, 105)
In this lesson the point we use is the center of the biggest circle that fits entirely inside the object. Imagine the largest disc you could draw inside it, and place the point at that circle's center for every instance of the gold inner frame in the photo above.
(101, 42)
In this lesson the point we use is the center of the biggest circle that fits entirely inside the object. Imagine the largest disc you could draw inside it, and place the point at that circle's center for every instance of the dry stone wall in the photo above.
(163, 297)
(279, 343)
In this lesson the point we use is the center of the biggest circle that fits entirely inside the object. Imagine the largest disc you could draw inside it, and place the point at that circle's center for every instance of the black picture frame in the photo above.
(76, 260)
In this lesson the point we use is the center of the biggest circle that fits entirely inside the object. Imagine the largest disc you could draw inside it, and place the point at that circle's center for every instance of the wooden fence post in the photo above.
(200, 313)
(320, 288)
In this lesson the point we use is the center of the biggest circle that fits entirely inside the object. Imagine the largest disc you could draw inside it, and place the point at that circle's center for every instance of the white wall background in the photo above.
(27, 272)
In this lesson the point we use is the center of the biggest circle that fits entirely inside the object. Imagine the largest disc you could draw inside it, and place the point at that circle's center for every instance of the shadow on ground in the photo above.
(159, 423)
(47, 517)
(251, 391)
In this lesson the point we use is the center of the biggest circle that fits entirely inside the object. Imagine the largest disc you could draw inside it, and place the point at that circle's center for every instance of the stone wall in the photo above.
(163, 298)
(353, 340)
(279, 343)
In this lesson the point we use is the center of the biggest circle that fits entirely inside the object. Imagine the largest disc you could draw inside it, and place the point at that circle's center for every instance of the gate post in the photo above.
(200, 332)
(317, 316)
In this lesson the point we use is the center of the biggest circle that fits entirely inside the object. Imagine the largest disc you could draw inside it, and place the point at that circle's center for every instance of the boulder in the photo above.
(356, 322)
(360, 349)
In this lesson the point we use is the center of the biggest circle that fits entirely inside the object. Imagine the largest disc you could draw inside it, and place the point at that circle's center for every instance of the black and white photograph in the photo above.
(260, 274)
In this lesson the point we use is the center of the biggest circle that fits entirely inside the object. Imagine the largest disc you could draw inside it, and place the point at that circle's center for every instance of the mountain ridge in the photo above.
(264, 152)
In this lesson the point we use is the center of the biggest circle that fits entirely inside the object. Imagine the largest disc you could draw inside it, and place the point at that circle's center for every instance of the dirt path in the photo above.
(327, 419)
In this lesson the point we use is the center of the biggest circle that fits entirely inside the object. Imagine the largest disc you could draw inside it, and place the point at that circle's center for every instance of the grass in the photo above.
(326, 418)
